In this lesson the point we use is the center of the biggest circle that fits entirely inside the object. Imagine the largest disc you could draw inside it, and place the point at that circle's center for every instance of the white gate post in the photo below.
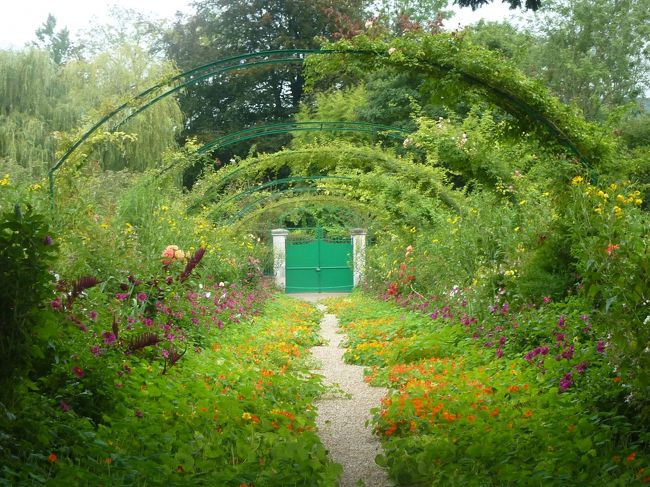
(280, 257)
(359, 255)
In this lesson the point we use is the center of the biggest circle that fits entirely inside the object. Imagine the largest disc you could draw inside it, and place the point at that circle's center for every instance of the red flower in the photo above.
(611, 248)
(78, 371)
(52, 458)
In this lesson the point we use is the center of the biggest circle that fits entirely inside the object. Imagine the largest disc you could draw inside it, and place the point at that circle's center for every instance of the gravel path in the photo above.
(342, 416)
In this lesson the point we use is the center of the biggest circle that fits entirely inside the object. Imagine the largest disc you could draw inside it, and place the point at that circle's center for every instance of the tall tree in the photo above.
(595, 53)
(57, 43)
(221, 28)
(529, 4)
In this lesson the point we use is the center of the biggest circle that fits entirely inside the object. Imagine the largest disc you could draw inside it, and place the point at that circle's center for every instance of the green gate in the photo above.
(316, 263)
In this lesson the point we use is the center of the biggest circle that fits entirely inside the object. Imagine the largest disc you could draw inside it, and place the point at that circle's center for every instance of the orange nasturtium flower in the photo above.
(52, 458)
(528, 413)
(630, 457)
(611, 248)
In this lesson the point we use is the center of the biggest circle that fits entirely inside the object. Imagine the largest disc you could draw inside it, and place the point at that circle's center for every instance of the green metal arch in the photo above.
(281, 193)
(307, 126)
(277, 182)
(330, 200)
(384, 160)
(152, 95)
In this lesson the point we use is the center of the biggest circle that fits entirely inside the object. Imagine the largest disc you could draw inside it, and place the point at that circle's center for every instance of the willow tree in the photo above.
(33, 104)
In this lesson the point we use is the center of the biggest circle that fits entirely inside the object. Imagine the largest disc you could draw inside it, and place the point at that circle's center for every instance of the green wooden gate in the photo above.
(316, 263)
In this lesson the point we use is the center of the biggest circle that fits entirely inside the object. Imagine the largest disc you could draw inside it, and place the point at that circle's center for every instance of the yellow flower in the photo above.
(613, 186)
(246, 416)
(522, 202)
(5, 180)
(618, 212)
(603, 195)
(598, 210)
(620, 198)
(577, 180)
(638, 202)
(35, 187)
(517, 229)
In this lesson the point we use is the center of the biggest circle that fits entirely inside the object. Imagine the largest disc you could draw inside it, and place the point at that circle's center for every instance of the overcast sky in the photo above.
(21, 18)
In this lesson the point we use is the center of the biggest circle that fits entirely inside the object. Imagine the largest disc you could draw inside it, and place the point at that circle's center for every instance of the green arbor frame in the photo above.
(140, 102)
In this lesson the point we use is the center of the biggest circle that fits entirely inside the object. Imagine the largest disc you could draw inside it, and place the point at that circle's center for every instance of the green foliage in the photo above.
(56, 43)
(592, 53)
(27, 252)
(466, 68)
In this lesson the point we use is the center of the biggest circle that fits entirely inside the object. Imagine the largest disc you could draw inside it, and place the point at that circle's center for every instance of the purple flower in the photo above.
(165, 353)
(559, 337)
(139, 413)
(505, 308)
(220, 324)
(502, 341)
(96, 350)
(121, 296)
(568, 353)
(109, 337)
(141, 297)
(581, 367)
(93, 315)
(47, 240)
(600, 347)
(55, 304)
(561, 321)
(566, 382)
(499, 353)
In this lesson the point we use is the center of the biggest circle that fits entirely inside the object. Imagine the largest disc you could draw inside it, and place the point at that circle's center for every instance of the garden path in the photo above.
(342, 416)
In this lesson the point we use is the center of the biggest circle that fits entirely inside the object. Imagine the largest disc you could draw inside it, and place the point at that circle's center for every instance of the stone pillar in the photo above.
(280, 257)
(359, 255)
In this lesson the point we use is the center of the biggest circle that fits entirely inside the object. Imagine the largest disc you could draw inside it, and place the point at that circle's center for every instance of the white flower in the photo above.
(368, 24)
(392, 51)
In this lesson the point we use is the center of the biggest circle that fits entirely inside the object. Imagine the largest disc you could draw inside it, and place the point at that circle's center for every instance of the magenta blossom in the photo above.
(121, 296)
(141, 297)
(109, 337)
(78, 371)
(96, 350)
(566, 382)
(93, 315)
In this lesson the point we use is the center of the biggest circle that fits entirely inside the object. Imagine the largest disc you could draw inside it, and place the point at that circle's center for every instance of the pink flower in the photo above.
(547, 299)
(93, 315)
(141, 297)
(78, 371)
(96, 350)
(109, 337)
(55, 304)
(64, 406)
(121, 296)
